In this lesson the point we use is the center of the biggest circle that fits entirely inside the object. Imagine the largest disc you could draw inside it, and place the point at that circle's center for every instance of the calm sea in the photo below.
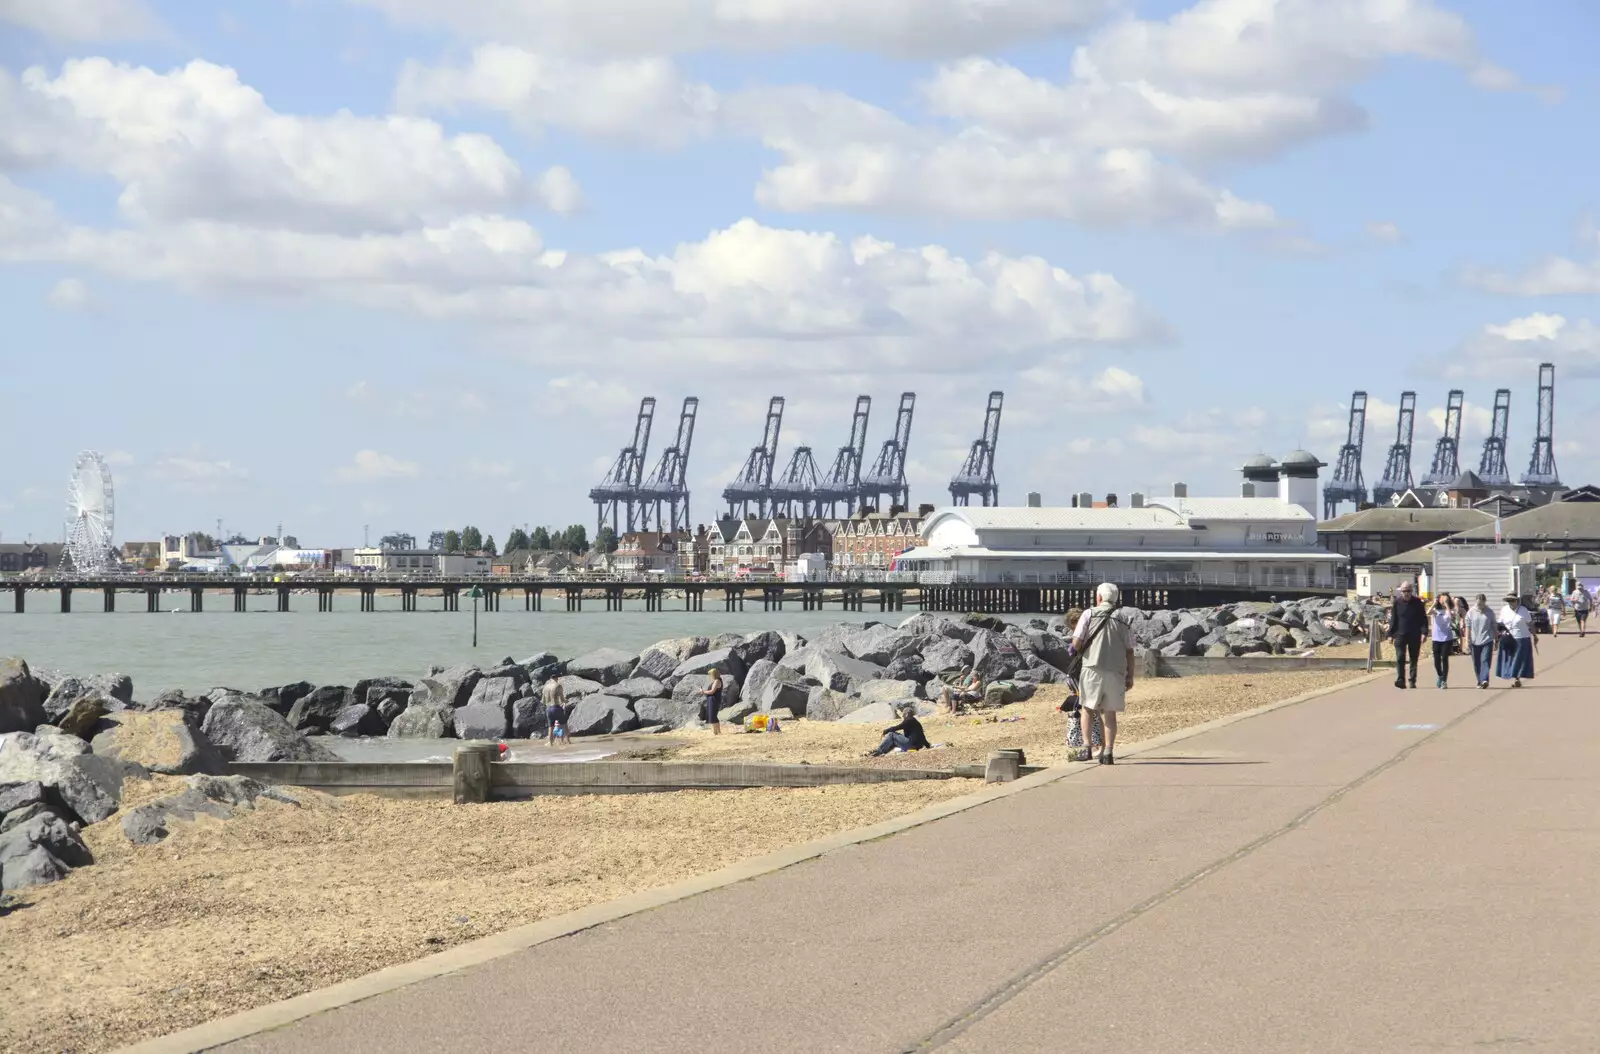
(263, 647)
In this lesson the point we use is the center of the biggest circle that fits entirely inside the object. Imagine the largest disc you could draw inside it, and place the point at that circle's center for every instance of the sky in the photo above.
(361, 266)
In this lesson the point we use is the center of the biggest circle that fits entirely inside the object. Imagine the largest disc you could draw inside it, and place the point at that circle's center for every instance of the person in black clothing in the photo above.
(907, 735)
(1408, 624)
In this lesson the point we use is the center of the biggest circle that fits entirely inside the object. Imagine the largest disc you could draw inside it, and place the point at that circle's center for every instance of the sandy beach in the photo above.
(223, 916)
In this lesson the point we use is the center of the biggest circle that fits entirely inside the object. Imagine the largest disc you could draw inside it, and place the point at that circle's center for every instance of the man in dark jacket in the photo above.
(907, 735)
(1408, 624)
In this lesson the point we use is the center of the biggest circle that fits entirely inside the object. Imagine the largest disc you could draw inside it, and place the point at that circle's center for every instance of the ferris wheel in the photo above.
(91, 512)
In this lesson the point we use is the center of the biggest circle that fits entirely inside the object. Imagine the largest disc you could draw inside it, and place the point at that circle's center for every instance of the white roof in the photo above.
(1025, 518)
(1258, 509)
(1263, 553)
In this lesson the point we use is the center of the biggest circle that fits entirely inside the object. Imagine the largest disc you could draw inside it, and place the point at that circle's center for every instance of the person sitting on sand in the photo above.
(968, 689)
(907, 735)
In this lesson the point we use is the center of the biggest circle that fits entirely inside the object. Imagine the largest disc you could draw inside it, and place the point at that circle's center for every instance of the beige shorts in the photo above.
(1107, 694)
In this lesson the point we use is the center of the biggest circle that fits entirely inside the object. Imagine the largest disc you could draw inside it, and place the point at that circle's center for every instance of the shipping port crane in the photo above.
(668, 485)
(1347, 484)
(1446, 452)
(1542, 465)
(620, 488)
(843, 482)
(1492, 465)
(1397, 468)
(795, 492)
(888, 475)
(977, 474)
(750, 494)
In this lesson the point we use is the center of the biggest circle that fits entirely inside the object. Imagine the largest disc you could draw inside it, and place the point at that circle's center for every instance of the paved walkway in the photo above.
(1368, 871)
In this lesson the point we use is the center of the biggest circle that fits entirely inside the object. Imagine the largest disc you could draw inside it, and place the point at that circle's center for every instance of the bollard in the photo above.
(1372, 643)
(1003, 767)
(471, 768)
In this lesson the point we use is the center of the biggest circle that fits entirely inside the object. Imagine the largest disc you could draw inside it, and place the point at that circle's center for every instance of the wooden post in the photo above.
(1372, 642)
(472, 761)
(1004, 766)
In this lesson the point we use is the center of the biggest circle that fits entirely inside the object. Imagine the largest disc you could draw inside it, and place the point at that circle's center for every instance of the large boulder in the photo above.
(40, 850)
(669, 713)
(599, 714)
(731, 665)
(577, 687)
(664, 656)
(1001, 693)
(723, 641)
(357, 720)
(606, 665)
(85, 713)
(907, 668)
(14, 796)
(80, 783)
(784, 689)
(841, 672)
(246, 730)
(946, 655)
(756, 678)
(825, 704)
(163, 741)
(374, 691)
(194, 708)
(488, 715)
(451, 687)
(21, 698)
(495, 692)
(424, 719)
(283, 697)
(528, 718)
(114, 690)
(767, 645)
(218, 796)
(639, 688)
(735, 714)
(888, 691)
(930, 626)
(995, 657)
(882, 713)
(881, 645)
(313, 712)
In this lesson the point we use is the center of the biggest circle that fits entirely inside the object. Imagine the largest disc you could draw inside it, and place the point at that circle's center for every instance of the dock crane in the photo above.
(843, 482)
(1447, 451)
(1492, 465)
(1397, 468)
(1542, 465)
(888, 475)
(750, 493)
(669, 484)
(1347, 484)
(977, 473)
(620, 488)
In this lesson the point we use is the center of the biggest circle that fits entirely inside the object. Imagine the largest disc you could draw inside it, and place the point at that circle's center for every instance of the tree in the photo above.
(452, 542)
(540, 539)
(605, 539)
(471, 539)
(517, 539)
(203, 541)
(488, 546)
(574, 539)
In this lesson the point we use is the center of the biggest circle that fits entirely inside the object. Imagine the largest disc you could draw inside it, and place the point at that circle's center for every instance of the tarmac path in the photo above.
(1371, 870)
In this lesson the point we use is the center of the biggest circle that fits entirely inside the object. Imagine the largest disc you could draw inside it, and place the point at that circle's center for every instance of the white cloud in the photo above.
(481, 469)
(197, 473)
(80, 19)
(69, 294)
(195, 143)
(1384, 232)
(744, 295)
(1516, 348)
(655, 27)
(1552, 276)
(369, 466)
(636, 100)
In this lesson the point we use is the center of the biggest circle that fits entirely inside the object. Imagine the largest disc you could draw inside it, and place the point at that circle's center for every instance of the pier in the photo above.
(887, 594)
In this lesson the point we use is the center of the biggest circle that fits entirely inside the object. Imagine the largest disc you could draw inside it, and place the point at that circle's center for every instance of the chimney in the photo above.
(1034, 500)
(1085, 500)
(924, 511)
(1136, 500)
(1248, 490)
(1111, 501)
(1180, 490)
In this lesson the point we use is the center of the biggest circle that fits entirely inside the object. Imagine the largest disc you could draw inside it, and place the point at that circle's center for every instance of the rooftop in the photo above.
(1391, 519)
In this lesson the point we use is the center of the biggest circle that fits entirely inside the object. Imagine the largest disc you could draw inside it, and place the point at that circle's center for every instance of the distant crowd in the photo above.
(1501, 642)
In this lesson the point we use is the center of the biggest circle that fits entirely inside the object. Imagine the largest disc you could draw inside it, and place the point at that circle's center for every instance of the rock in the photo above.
(1052, 648)
(599, 714)
(723, 641)
(784, 690)
(841, 672)
(766, 645)
(21, 698)
(219, 796)
(888, 691)
(452, 687)
(994, 657)
(519, 677)
(193, 708)
(1278, 639)
(723, 659)
(1253, 647)
(282, 699)
(356, 720)
(930, 626)
(1176, 648)
(424, 719)
(313, 712)
(946, 656)
(1002, 693)
(882, 713)
(390, 706)
(245, 730)
(18, 817)
(14, 796)
(606, 665)
(665, 656)
(907, 668)
(667, 713)
(494, 691)
(30, 865)
(575, 687)
(756, 679)
(880, 644)
(1043, 673)
(488, 716)
(1218, 650)
(373, 691)
(991, 623)
(87, 786)
(735, 714)
(50, 831)
(86, 712)
(163, 741)
(639, 688)
(797, 658)
(528, 719)
(825, 704)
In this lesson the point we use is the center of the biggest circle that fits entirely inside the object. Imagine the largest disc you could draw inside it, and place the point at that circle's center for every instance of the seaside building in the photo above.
(871, 541)
(650, 552)
(23, 557)
(1265, 542)
(420, 561)
(758, 545)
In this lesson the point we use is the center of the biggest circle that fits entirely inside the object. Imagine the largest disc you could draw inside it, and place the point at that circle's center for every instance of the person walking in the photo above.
(1480, 639)
(1106, 644)
(1555, 606)
(554, 698)
(1442, 635)
(712, 698)
(1516, 642)
(1580, 602)
(1408, 621)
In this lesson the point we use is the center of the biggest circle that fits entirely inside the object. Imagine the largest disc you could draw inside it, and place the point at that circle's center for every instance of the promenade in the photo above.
(1371, 870)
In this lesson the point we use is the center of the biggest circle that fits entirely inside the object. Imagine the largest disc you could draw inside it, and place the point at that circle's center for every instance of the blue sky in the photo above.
(411, 264)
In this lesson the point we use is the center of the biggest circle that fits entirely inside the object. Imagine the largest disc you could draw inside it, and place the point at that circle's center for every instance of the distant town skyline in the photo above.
(395, 262)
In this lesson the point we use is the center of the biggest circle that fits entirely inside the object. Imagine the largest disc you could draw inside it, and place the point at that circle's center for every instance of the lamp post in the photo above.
(476, 593)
